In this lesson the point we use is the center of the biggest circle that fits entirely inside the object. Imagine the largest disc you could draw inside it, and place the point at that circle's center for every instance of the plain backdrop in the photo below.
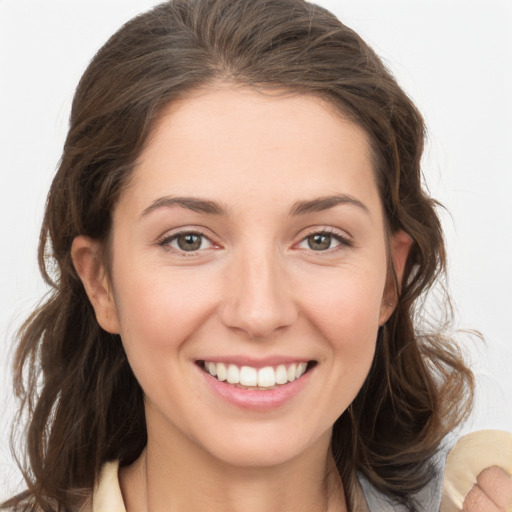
(454, 59)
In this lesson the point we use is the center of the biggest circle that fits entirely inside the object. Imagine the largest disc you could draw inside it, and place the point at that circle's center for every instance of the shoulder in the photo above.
(23, 503)
(106, 496)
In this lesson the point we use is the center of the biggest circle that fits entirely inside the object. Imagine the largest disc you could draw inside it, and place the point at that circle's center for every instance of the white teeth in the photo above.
(281, 374)
(221, 372)
(212, 369)
(291, 372)
(266, 377)
(248, 376)
(301, 368)
(233, 374)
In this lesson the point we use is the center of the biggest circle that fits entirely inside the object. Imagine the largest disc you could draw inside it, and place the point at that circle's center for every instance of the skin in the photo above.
(255, 288)
(492, 492)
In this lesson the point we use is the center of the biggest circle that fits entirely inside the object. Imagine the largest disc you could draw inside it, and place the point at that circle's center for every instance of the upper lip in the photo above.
(255, 362)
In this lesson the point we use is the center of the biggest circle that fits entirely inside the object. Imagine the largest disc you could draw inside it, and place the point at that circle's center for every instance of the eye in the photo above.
(323, 241)
(187, 242)
(320, 241)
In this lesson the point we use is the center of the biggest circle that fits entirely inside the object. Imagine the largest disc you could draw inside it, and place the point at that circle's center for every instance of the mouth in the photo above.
(251, 378)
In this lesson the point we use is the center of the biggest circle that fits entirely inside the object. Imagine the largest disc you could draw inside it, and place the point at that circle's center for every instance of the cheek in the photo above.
(160, 309)
(161, 313)
(346, 317)
(350, 302)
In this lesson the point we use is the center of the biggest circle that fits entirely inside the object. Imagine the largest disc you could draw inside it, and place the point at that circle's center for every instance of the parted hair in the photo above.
(79, 400)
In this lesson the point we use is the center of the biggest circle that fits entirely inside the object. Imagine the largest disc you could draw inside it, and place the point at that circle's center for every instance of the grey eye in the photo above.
(189, 242)
(321, 241)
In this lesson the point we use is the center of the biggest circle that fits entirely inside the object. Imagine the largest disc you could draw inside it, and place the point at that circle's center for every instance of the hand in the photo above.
(491, 493)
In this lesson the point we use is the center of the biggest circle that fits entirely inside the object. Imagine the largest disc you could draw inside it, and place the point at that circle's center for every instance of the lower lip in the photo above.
(254, 399)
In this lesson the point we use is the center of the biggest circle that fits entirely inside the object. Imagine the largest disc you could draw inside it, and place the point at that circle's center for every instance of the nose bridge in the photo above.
(259, 299)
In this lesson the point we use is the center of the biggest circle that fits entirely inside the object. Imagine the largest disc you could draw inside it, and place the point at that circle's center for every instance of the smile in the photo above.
(248, 377)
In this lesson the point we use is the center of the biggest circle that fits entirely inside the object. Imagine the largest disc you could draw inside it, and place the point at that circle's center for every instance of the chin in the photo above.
(265, 449)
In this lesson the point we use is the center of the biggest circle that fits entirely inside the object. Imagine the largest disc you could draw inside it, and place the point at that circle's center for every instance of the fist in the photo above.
(477, 475)
(492, 492)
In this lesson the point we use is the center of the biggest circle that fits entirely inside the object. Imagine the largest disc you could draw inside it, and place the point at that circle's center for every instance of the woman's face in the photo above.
(249, 244)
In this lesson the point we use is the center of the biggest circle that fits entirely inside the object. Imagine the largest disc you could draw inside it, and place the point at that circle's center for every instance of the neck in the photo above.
(186, 479)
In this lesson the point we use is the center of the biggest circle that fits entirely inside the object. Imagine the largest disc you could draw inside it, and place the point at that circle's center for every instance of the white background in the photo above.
(452, 56)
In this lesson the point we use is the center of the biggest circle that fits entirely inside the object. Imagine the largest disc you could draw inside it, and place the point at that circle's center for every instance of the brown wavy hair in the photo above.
(73, 379)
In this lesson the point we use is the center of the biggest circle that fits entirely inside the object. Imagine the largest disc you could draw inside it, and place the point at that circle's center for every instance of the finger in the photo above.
(497, 485)
(478, 501)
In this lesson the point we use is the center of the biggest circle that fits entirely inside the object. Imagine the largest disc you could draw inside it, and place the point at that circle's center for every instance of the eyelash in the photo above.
(165, 242)
(343, 241)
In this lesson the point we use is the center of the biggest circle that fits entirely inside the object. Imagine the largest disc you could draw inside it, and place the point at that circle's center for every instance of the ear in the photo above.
(400, 247)
(86, 256)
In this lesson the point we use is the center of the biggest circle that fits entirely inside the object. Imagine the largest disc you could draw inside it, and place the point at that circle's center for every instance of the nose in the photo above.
(258, 298)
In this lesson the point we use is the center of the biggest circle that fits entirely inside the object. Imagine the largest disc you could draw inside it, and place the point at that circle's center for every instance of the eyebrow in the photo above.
(190, 203)
(321, 204)
(213, 208)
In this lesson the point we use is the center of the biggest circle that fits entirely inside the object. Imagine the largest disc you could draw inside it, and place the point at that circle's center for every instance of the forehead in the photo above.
(236, 143)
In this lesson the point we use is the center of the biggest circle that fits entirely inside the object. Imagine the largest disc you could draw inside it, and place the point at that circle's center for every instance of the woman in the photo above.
(241, 235)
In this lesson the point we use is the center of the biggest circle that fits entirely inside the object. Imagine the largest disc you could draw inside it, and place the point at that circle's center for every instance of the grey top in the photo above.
(428, 499)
